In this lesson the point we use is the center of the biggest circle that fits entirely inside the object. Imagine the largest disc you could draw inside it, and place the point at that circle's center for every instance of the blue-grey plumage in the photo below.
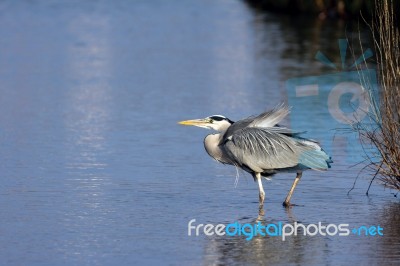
(260, 146)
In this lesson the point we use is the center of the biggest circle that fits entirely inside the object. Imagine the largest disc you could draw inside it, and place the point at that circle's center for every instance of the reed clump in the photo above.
(385, 115)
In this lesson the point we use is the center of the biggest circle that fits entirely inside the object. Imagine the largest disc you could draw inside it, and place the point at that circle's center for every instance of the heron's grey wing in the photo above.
(270, 118)
(262, 149)
(266, 119)
(286, 131)
(238, 125)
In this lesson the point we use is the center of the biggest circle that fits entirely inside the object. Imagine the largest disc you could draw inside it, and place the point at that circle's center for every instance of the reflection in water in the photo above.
(291, 44)
(310, 250)
(266, 250)
(388, 247)
(90, 96)
(88, 102)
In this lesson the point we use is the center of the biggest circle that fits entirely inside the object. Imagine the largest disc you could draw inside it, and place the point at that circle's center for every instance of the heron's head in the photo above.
(216, 122)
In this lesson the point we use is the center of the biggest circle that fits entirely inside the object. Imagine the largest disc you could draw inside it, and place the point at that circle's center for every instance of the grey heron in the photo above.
(261, 147)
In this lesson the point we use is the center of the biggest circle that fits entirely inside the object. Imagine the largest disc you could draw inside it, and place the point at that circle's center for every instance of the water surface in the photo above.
(94, 169)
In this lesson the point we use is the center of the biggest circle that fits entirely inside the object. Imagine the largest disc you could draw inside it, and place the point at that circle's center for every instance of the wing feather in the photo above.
(261, 149)
(270, 118)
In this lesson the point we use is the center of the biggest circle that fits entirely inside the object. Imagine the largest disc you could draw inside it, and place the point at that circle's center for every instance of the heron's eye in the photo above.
(211, 121)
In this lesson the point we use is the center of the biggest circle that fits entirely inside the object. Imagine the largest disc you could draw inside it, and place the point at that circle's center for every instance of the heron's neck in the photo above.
(223, 128)
(211, 144)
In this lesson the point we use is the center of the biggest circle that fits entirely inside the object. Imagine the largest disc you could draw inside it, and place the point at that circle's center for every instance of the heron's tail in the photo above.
(315, 159)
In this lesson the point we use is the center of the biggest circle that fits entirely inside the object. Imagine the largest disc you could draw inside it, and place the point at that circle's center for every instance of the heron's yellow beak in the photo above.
(195, 122)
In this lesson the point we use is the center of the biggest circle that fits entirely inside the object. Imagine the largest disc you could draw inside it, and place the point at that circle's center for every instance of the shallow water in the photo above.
(95, 171)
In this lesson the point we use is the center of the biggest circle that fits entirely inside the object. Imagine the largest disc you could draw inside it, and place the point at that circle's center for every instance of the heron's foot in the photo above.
(260, 218)
(287, 204)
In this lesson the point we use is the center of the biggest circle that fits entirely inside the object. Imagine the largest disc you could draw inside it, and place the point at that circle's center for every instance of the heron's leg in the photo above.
(261, 195)
(286, 203)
